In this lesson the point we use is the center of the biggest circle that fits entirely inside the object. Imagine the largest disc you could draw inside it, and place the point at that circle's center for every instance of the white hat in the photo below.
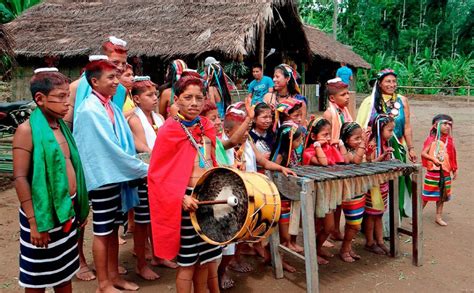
(141, 78)
(97, 58)
(117, 41)
(46, 69)
(210, 60)
(334, 80)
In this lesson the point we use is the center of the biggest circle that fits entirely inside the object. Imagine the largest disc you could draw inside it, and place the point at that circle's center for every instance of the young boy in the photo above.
(107, 150)
(145, 124)
(115, 50)
(337, 113)
(175, 168)
(126, 79)
(50, 185)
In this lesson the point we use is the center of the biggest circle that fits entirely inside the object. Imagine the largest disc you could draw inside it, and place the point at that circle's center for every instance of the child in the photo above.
(112, 171)
(261, 133)
(183, 152)
(320, 151)
(376, 200)
(354, 140)
(337, 113)
(126, 79)
(50, 185)
(167, 91)
(289, 138)
(439, 159)
(144, 123)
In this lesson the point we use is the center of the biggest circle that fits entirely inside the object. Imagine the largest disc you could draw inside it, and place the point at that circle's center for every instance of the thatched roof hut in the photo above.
(6, 42)
(326, 47)
(152, 28)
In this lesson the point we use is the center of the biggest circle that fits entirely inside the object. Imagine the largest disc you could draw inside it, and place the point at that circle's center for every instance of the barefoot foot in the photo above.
(164, 263)
(85, 273)
(322, 261)
(147, 273)
(328, 244)
(346, 257)
(287, 267)
(354, 255)
(121, 241)
(125, 285)
(295, 247)
(441, 222)
(325, 253)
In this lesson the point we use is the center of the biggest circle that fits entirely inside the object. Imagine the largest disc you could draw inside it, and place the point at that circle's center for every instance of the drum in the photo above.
(251, 220)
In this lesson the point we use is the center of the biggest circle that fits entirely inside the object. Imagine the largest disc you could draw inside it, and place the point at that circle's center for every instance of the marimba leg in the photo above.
(308, 199)
(394, 213)
(275, 253)
(417, 217)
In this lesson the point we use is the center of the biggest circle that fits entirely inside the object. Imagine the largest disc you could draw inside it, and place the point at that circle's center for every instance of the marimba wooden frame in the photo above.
(307, 197)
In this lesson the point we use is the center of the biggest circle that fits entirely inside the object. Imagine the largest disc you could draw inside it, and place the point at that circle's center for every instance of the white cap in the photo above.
(117, 41)
(335, 80)
(46, 69)
(141, 78)
(210, 60)
(97, 57)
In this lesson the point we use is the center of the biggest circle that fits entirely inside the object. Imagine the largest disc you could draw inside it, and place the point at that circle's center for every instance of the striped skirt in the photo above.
(354, 210)
(52, 266)
(142, 211)
(431, 186)
(193, 248)
(285, 211)
(370, 200)
(106, 209)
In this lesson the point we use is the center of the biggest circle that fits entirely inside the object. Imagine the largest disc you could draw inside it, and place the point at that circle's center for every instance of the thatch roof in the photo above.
(6, 42)
(326, 47)
(151, 27)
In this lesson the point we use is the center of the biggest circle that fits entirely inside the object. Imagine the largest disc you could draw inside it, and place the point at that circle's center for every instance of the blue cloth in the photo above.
(258, 89)
(400, 120)
(220, 109)
(345, 74)
(107, 150)
(84, 90)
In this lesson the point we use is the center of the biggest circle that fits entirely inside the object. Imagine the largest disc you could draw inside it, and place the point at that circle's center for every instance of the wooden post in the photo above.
(261, 44)
(417, 237)
(308, 199)
(352, 104)
(275, 254)
(394, 217)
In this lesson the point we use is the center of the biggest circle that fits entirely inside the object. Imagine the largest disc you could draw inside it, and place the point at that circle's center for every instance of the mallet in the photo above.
(231, 200)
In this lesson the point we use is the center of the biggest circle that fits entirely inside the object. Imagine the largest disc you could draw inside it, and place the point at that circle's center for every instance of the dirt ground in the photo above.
(448, 251)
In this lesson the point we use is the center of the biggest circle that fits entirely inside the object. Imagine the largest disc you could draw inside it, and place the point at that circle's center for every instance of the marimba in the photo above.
(320, 189)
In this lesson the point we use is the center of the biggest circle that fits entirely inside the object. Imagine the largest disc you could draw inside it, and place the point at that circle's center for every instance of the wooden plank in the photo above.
(417, 217)
(295, 217)
(277, 264)
(308, 197)
(394, 218)
(405, 231)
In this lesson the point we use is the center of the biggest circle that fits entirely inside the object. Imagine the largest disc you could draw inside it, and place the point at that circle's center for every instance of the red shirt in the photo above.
(106, 102)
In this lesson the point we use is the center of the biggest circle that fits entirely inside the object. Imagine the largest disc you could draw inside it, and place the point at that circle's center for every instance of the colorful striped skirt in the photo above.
(52, 266)
(354, 210)
(285, 211)
(431, 186)
(373, 201)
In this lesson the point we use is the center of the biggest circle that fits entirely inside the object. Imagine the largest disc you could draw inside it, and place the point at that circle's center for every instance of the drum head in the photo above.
(221, 222)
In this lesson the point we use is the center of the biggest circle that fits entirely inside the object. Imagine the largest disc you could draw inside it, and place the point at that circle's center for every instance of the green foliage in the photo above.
(236, 70)
(429, 42)
(10, 9)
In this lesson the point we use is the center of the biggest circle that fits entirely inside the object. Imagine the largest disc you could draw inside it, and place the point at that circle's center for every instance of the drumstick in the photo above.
(231, 200)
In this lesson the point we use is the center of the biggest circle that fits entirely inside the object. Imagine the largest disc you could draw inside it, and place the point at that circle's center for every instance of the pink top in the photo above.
(106, 102)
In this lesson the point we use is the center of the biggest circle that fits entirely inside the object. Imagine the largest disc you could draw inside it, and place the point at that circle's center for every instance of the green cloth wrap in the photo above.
(50, 186)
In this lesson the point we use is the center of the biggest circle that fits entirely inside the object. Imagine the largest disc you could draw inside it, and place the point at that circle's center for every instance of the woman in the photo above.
(166, 98)
(385, 100)
(217, 88)
(285, 87)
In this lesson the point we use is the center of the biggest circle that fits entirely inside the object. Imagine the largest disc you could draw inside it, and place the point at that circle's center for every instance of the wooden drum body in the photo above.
(257, 212)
